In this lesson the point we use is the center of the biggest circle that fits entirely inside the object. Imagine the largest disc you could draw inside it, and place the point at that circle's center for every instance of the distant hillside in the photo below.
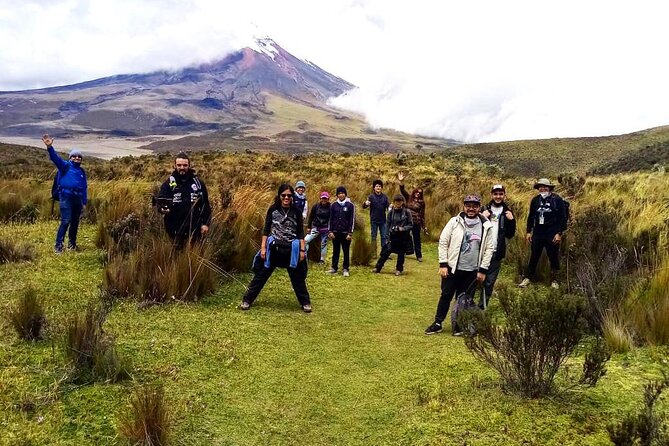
(647, 158)
(554, 156)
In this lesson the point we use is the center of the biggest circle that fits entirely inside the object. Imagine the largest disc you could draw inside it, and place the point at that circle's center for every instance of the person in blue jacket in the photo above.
(72, 193)
(378, 204)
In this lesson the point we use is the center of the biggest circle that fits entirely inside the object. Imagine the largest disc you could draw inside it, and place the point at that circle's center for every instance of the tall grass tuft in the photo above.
(11, 251)
(616, 333)
(27, 316)
(649, 308)
(91, 351)
(362, 249)
(148, 421)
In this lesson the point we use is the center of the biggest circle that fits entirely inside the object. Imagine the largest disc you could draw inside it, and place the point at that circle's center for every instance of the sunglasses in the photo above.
(286, 195)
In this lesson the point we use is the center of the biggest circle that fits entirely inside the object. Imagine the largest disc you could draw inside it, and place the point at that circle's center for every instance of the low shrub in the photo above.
(616, 333)
(646, 428)
(148, 420)
(27, 316)
(541, 331)
(11, 251)
(92, 352)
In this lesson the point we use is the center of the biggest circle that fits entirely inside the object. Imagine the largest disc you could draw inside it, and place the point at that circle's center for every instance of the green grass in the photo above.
(358, 370)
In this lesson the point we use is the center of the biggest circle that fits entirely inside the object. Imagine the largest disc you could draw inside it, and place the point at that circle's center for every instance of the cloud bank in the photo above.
(472, 71)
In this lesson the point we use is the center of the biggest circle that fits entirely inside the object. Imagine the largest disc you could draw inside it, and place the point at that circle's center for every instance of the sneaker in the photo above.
(420, 259)
(434, 328)
(331, 271)
(398, 273)
(306, 308)
(555, 284)
(375, 271)
(58, 250)
(321, 262)
(457, 333)
(524, 283)
(72, 248)
(244, 305)
(345, 273)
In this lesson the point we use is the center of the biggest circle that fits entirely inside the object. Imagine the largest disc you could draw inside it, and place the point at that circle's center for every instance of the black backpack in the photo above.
(55, 187)
(464, 302)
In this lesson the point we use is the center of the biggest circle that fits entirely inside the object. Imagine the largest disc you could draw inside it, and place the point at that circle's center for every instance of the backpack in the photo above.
(55, 187)
(567, 206)
(463, 302)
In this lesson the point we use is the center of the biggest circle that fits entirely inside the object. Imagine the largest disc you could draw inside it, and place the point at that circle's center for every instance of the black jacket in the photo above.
(399, 223)
(190, 208)
(554, 213)
(505, 229)
(319, 216)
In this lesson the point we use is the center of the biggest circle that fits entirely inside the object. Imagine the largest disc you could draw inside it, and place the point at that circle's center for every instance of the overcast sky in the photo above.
(468, 70)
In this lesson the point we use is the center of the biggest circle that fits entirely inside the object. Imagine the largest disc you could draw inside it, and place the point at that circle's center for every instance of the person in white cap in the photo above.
(502, 218)
(300, 198)
(546, 221)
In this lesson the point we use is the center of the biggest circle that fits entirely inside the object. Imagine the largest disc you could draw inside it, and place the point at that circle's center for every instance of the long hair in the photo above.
(412, 197)
(282, 188)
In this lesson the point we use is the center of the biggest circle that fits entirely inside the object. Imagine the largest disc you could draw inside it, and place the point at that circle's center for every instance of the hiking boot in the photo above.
(331, 271)
(555, 284)
(244, 305)
(524, 283)
(375, 271)
(306, 308)
(346, 273)
(398, 273)
(434, 328)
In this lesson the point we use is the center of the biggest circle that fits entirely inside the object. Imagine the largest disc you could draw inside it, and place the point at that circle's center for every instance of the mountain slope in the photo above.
(209, 97)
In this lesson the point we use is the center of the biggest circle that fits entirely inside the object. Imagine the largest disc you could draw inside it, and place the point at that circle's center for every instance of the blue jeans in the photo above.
(70, 212)
(383, 229)
(324, 242)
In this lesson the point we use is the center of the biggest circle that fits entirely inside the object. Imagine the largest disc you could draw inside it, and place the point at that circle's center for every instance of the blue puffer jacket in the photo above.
(72, 177)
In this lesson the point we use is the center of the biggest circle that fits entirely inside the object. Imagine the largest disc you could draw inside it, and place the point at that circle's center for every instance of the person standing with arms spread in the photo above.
(184, 200)
(499, 213)
(340, 227)
(466, 245)
(415, 204)
(378, 203)
(282, 246)
(72, 194)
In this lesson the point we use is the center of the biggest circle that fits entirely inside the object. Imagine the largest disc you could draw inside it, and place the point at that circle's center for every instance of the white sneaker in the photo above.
(331, 271)
(555, 284)
(524, 283)
(345, 273)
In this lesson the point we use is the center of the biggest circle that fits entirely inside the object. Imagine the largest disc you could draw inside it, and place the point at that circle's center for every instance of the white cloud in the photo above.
(477, 71)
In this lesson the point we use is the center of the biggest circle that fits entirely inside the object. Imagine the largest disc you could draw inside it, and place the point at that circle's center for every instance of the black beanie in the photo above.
(341, 189)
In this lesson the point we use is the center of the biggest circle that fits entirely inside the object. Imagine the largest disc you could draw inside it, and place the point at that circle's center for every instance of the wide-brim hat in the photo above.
(544, 182)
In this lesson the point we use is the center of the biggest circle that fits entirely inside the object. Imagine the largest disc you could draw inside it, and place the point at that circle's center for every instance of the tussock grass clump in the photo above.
(649, 308)
(91, 351)
(616, 333)
(148, 421)
(541, 331)
(27, 316)
(362, 249)
(11, 251)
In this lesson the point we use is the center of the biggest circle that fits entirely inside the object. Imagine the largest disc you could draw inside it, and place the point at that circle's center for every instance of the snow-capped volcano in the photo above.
(211, 96)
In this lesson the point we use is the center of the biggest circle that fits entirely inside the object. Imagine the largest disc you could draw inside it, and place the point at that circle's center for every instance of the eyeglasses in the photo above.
(286, 195)
(472, 205)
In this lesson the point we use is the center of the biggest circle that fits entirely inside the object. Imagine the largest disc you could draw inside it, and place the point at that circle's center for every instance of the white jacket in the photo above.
(450, 242)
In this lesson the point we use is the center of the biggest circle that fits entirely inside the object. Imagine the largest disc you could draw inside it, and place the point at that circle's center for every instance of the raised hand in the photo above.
(401, 176)
(47, 140)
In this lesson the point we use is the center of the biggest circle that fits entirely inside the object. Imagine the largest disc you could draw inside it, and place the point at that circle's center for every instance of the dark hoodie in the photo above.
(190, 203)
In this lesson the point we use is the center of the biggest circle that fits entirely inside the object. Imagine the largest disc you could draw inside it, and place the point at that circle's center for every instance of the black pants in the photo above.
(539, 242)
(298, 277)
(397, 243)
(489, 282)
(340, 243)
(456, 282)
(415, 232)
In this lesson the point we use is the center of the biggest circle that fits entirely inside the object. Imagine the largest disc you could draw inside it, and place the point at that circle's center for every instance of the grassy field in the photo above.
(358, 370)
